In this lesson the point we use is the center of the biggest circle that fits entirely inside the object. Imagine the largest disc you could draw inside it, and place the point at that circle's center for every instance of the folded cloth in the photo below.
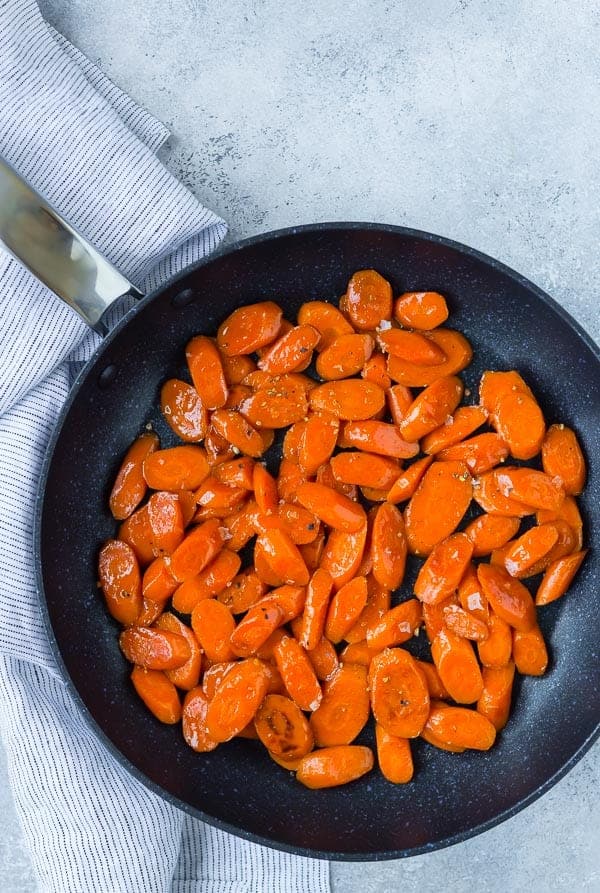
(91, 151)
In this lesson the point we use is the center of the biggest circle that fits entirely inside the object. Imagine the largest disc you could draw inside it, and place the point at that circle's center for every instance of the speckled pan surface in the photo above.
(511, 324)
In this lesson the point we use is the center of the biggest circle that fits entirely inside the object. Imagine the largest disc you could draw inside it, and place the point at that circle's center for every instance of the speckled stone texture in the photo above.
(476, 120)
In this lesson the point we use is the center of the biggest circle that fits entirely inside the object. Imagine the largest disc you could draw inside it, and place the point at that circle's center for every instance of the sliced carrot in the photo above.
(206, 369)
(489, 532)
(236, 430)
(150, 612)
(345, 608)
(121, 581)
(154, 649)
(165, 520)
(562, 458)
(372, 436)
(508, 597)
(326, 319)
(424, 310)
(437, 506)
(434, 619)
(375, 370)
(188, 675)
(281, 403)
(496, 650)
(529, 652)
(444, 568)
(237, 368)
(255, 628)
(399, 693)
(301, 526)
(344, 356)
(213, 626)
(289, 479)
(324, 659)
(458, 727)
(218, 449)
(488, 495)
(436, 687)
(378, 602)
(365, 469)
(283, 557)
(236, 473)
(520, 423)
(358, 653)
(388, 546)
(158, 583)
(558, 578)
(495, 699)
(570, 514)
(344, 709)
(343, 554)
(283, 728)
(350, 399)
(470, 595)
(410, 346)
(176, 468)
(399, 398)
(332, 766)
(158, 694)
(529, 549)
(236, 699)
(406, 485)
(200, 546)
(480, 453)
(457, 665)
(531, 487)
(265, 489)
(183, 410)
(318, 593)
(455, 428)
(458, 352)
(431, 408)
(297, 673)
(317, 441)
(130, 486)
(465, 624)
(215, 577)
(394, 756)
(395, 626)
(193, 726)
(249, 328)
(289, 599)
(494, 386)
(326, 477)
(290, 351)
(214, 675)
(368, 300)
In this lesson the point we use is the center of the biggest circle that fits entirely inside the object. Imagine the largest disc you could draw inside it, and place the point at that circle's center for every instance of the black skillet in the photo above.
(511, 324)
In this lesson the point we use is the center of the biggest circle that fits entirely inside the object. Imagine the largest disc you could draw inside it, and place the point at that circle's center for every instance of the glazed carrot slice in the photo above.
(372, 436)
(494, 386)
(465, 624)
(399, 694)
(345, 608)
(496, 650)
(283, 557)
(435, 685)
(158, 694)
(388, 546)
(121, 581)
(215, 577)
(188, 675)
(569, 513)
(343, 553)
(234, 428)
(214, 675)
(285, 327)
(489, 532)
(239, 525)
(236, 699)
(395, 626)
(399, 398)
(332, 766)
(406, 485)
(317, 440)
(129, 487)
(187, 503)
(375, 370)
(150, 612)
(281, 403)
(520, 423)
(249, 328)
(255, 628)
(291, 350)
(301, 526)
(236, 396)
(344, 356)
(176, 468)
(365, 469)
(424, 310)
(350, 399)
(135, 531)
(411, 346)
(332, 507)
(183, 410)
(358, 653)
(236, 473)
(291, 440)
(558, 578)
(455, 428)
(165, 520)
(437, 506)
(206, 369)
(288, 382)
(265, 489)
(237, 368)
(213, 626)
(457, 665)
(289, 599)
(289, 479)
(318, 593)
(459, 727)
(217, 448)
(529, 549)
(488, 494)
(480, 453)
(324, 659)
(444, 568)
(495, 699)
(198, 549)
(394, 756)
(344, 709)
(297, 673)
(378, 602)
(193, 725)
(431, 408)
(531, 487)
(434, 619)
(508, 597)
(154, 649)
(471, 597)
(562, 458)
(368, 300)
(283, 728)
(458, 352)
(242, 592)
(529, 652)
(158, 583)
(326, 477)
(326, 319)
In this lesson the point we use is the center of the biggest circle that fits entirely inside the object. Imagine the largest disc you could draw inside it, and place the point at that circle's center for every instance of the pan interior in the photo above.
(510, 326)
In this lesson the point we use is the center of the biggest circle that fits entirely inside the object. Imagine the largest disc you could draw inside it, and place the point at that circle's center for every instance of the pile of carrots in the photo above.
(301, 644)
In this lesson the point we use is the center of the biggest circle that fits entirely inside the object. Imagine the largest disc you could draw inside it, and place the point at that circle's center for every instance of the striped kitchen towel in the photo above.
(91, 151)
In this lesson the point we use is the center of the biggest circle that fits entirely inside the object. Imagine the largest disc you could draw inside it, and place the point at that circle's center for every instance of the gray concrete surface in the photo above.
(478, 120)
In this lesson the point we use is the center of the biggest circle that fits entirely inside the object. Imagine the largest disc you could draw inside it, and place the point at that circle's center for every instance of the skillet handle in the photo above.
(38, 237)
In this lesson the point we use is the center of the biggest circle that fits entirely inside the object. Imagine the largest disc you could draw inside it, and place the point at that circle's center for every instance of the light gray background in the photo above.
(477, 120)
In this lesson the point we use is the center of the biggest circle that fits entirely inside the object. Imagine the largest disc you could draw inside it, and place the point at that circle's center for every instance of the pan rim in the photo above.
(92, 724)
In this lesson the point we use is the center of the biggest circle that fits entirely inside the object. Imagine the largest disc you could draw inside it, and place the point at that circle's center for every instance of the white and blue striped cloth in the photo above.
(91, 151)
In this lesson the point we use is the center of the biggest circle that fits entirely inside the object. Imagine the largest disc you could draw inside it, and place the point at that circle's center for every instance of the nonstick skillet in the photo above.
(511, 324)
